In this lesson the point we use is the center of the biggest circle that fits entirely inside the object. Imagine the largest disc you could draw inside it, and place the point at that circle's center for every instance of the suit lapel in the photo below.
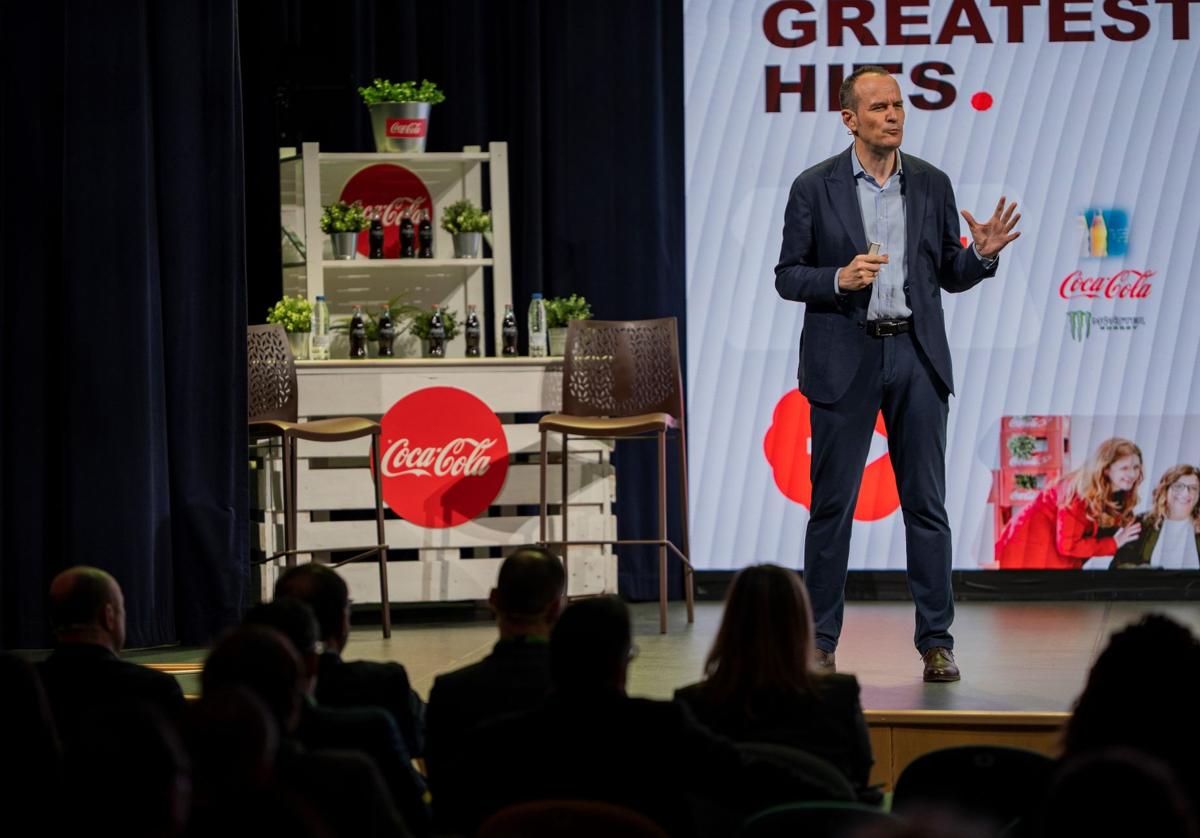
(915, 193)
(841, 188)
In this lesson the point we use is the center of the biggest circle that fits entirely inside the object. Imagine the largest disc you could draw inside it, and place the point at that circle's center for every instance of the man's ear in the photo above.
(554, 609)
(849, 120)
(493, 599)
(108, 618)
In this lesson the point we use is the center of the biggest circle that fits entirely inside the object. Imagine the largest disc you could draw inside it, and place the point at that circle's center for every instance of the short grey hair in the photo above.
(846, 96)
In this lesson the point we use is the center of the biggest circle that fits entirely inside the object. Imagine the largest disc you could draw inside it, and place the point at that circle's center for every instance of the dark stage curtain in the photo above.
(589, 96)
(123, 283)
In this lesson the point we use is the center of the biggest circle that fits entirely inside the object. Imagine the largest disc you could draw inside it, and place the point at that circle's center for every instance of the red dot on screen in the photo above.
(963, 239)
(981, 101)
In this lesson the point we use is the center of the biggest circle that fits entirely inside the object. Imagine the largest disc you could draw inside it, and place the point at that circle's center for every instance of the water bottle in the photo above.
(319, 340)
(539, 338)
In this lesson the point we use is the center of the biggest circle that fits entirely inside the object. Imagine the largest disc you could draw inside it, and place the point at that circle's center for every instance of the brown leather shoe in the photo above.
(939, 665)
(825, 662)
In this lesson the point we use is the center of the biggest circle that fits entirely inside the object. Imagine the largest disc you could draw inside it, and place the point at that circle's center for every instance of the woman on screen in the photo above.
(760, 683)
(1170, 536)
(1087, 513)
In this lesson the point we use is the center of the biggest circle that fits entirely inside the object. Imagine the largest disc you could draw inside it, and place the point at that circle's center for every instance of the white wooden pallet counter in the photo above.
(335, 494)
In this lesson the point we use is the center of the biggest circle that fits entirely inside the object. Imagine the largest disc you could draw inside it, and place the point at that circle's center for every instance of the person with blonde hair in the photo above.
(1088, 513)
(1170, 536)
(761, 683)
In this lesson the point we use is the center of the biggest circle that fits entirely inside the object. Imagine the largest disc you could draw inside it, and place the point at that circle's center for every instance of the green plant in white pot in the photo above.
(343, 222)
(294, 314)
(400, 112)
(466, 223)
(559, 312)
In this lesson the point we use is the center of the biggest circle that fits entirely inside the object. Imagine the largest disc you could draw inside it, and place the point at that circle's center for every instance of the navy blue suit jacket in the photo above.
(823, 230)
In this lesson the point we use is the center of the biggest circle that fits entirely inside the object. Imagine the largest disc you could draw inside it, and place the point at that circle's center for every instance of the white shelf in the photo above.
(403, 264)
(404, 157)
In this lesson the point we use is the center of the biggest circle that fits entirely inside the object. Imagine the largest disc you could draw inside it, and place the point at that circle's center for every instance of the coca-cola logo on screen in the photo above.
(407, 129)
(1128, 284)
(394, 193)
(445, 457)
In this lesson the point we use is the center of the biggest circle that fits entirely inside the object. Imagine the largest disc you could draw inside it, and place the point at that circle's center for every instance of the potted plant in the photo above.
(466, 223)
(1021, 448)
(400, 112)
(343, 222)
(420, 327)
(559, 312)
(294, 314)
(402, 316)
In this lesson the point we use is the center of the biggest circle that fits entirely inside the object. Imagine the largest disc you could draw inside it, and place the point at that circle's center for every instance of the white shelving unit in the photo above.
(312, 179)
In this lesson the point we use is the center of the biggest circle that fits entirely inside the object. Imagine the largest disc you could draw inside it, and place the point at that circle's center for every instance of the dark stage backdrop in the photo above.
(589, 97)
(123, 290)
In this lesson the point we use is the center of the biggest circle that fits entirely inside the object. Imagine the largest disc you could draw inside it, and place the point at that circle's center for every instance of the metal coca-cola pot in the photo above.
(400, 126)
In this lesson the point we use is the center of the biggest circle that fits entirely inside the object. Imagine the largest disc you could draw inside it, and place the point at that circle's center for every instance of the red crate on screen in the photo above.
(1049, 436)
(1019, 486)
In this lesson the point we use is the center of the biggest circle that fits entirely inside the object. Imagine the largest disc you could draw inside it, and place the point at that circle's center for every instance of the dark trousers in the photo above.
(895, 378)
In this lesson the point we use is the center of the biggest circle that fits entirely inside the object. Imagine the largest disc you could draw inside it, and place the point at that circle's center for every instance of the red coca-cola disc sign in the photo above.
(394, 192)
(445, 457)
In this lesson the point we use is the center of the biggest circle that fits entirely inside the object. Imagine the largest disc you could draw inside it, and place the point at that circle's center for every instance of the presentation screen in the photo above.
(1076, 360)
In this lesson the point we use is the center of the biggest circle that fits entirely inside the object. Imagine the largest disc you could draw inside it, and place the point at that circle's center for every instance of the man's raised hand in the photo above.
(992, 235)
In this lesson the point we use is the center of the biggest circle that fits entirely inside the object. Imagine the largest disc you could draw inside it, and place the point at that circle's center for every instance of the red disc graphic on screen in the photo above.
(788, 446)
(394, 192)
(982, 101)
(445, 457)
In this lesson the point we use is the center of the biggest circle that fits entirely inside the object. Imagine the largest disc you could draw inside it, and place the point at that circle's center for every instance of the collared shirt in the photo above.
(883, 217)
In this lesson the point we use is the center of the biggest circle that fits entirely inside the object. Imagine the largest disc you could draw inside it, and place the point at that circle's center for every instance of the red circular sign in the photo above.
(445, 457)
(394, 192)
(788, 446)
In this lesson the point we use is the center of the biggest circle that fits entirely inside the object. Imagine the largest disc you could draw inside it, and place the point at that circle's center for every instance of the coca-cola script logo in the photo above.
(445, 457)
(407, 129)
(393, 192)
(788, 446)
(1128, 284)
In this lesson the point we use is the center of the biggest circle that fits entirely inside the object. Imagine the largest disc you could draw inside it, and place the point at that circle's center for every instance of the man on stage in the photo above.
(870, 239)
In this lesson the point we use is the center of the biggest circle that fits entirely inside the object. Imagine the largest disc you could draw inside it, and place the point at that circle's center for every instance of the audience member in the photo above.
(343, 787)
(590, 741)
(31, 759)
(514, 677)
(84, 675)
(760, 684)
(366, 729)
(1141, 694)
(352, 683)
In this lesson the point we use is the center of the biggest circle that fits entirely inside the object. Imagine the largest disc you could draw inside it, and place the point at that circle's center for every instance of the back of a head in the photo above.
(233, 740)
(590, 643)
(766, 636)
(322, 588)
(77, 596)
(291, 618)
(531, 580)
(262, 660)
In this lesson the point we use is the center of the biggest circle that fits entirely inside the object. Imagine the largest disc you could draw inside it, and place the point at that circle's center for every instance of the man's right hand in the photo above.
(861, 272)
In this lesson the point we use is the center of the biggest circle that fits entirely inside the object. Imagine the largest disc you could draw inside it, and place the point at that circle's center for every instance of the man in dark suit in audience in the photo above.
(590, 741)
(369, 730)
(352, 683)
(344, 788)
(84, 675)
(527, 600)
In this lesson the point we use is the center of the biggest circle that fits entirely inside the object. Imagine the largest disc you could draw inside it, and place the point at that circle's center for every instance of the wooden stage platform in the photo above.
(1023, 664)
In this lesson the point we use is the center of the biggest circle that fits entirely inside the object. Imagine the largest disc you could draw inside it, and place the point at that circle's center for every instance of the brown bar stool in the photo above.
(622, 379)
(272, 407)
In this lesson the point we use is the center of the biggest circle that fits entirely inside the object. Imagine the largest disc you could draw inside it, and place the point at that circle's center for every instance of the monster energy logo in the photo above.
(1081, 324)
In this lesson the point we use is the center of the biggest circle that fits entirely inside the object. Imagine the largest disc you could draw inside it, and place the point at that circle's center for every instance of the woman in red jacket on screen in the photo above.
(1087, 513)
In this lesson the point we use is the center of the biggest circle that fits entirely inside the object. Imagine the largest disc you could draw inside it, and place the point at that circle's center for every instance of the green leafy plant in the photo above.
(382, 90)
(341, 217)
(294, 314)
(420, 324)
(1026, 481)
(402, 314)
(1022, 446)
(464, 217)
(562, 310)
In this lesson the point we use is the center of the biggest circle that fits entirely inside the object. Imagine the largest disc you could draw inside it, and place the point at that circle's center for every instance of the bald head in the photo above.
(86, 606)
(528, 594)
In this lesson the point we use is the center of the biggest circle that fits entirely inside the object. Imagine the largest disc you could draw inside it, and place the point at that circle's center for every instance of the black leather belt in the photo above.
(887, 328)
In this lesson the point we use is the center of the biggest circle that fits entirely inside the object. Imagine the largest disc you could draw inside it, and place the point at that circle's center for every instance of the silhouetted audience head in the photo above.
(590, 646)
(326, 594)
(264, 661)
(1116, 791)
(295, 621)
(32, 754)
(130, 764)
(765, 641)
(86, 606)
(233, 739)
(528, 596)
(1141, 693)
